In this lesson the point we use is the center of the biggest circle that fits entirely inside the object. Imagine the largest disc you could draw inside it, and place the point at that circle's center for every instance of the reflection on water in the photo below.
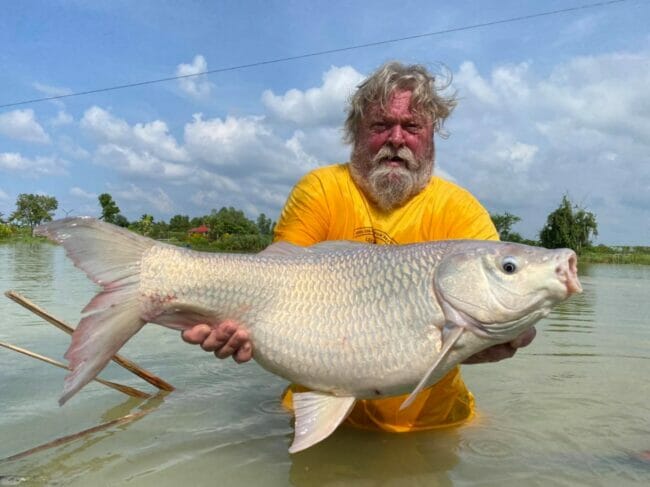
(571, 409)
(354, 457)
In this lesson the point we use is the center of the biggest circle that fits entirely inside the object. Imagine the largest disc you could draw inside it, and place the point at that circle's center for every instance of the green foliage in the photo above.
(198, 242)
(110, 210)
(229, 221)
(624, 254)
(242, 243)
(144, 226)
(503, 223)
(197, 221)
(34, 209)
(121, 221)
(180, 223)
(5, 231)
(159, 230)
(569, 226)
(265, 225)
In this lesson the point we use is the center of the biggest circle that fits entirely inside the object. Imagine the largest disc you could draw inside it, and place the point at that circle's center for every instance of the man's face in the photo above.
(392, 159)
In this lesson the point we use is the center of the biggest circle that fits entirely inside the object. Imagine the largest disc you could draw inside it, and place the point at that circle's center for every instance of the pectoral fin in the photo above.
(450, 337)
(317, 416)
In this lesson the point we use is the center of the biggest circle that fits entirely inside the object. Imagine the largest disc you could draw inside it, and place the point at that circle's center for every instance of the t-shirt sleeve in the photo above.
(305, 217)
(468, 219)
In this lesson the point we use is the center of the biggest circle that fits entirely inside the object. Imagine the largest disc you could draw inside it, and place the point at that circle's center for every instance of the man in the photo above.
(385, 195)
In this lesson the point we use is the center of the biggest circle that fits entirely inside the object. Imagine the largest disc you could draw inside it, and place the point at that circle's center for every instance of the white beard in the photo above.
(387, 186)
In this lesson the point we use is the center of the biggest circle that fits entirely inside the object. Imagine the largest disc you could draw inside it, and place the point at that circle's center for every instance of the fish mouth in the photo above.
(567, 272)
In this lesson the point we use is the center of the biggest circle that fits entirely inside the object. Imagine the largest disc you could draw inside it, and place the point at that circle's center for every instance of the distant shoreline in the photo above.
(599, 255)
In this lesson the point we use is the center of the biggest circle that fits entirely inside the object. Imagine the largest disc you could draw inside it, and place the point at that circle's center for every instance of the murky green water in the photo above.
(572, 409)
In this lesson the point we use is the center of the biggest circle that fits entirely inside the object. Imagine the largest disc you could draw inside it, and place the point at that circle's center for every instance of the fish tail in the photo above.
(111, 257)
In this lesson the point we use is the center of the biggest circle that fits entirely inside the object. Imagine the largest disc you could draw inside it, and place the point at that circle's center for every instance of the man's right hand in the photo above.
(225, 339)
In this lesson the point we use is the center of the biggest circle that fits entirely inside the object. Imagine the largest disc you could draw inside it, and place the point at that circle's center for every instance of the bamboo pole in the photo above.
(130, 391)
(75, 436)
(122, 361)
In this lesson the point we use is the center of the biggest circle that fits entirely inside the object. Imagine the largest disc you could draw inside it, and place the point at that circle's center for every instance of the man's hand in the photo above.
(225, 339)
(505, 350)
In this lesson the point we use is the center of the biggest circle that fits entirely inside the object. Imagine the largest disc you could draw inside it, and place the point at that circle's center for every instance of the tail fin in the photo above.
(111, 257)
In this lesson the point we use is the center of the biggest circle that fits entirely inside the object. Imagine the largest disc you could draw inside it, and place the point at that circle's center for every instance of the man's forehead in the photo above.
(398, 105)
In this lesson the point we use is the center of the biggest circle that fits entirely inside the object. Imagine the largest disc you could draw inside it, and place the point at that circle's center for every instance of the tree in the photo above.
(180, 223)
(34, 209)
(503, 223)
(110, 210)
(569, 226)
(1, 220)
(265, 224)
(121, 221)
(230, 221)
(145, 225)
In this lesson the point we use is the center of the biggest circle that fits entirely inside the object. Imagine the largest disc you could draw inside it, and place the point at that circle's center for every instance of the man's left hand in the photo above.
(504, 350)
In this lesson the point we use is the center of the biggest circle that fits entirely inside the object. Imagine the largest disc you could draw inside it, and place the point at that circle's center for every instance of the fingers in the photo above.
(244, 354)
(234, 343)
(503, 351)
(196, 334)
(225, 339)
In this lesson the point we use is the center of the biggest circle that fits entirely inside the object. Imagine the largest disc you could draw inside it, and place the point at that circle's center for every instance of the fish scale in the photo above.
(346, 339)
(350, 321)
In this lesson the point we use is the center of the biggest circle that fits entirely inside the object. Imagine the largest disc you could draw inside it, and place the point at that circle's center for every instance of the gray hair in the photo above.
(427, 99)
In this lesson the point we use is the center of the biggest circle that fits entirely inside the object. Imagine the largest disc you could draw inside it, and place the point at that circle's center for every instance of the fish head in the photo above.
(498, 289)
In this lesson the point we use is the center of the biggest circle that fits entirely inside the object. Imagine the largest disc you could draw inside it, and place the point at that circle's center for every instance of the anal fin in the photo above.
(317, 416)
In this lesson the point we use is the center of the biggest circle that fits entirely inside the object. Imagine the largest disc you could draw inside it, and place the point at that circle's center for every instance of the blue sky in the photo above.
(549, 105)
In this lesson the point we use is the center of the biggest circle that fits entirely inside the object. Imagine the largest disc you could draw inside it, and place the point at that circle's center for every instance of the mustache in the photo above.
(387, 153)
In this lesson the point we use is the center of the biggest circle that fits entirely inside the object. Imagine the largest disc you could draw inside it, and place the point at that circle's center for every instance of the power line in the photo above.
(320, 53)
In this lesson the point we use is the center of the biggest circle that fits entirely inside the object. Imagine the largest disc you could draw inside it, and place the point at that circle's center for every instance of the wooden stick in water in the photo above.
(67, 439)
(130, 391)
(124, 362)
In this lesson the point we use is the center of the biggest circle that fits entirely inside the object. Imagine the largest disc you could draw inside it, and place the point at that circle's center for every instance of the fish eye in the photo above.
(509, 265)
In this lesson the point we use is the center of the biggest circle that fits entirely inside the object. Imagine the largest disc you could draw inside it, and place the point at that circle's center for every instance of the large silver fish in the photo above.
(348, 320)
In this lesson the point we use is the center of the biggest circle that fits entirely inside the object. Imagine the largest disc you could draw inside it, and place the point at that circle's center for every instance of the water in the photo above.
(572, 409)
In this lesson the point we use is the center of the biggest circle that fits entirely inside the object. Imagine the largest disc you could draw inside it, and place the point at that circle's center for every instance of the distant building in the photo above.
(202, 230)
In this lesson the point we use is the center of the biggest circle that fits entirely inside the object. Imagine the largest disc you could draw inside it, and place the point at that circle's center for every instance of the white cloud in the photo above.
(220, 142)
(143, 199)
(149, 138)
(196, 86)
(38, 166)
(70, 148)
(3, 196)
(127, 160)
(146, 149)
(469, 78)
(520, 140)
(51, 91)
(246, 146)
(62, 118)
(322, 105)
(22, 125)
(105, 126)
(80, 193)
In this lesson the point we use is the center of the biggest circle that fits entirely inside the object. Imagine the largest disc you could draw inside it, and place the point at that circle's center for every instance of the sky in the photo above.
(548, 105)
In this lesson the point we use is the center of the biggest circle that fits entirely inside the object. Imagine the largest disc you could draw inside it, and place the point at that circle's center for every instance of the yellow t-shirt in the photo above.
(326, 204)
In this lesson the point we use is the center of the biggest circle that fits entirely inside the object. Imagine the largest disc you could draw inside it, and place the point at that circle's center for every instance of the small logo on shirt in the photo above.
(374, 236)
